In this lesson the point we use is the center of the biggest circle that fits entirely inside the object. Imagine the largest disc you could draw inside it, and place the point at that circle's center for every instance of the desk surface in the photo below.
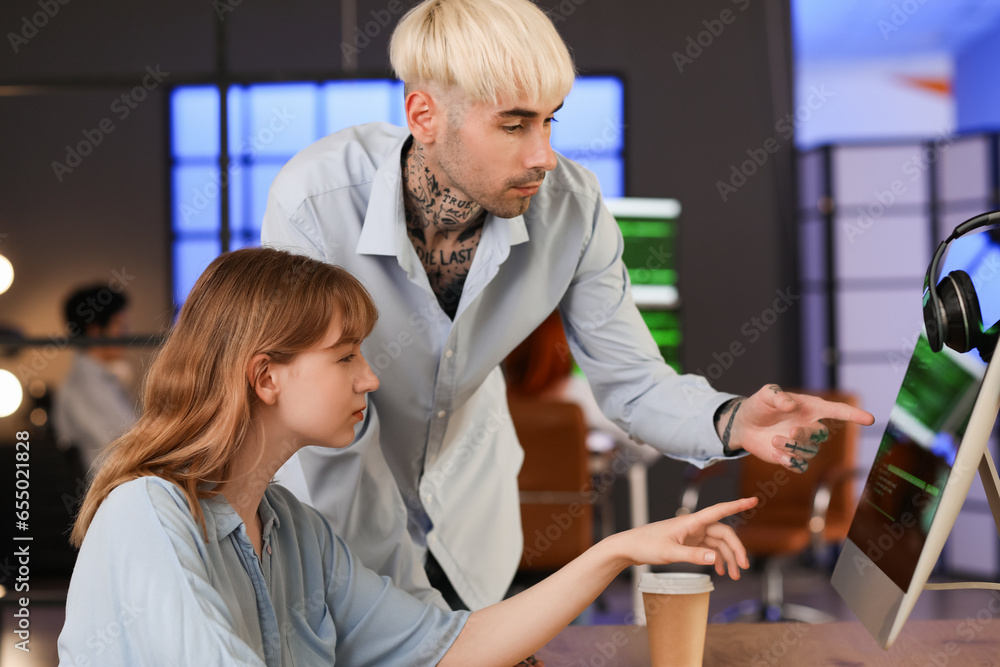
(973, 641)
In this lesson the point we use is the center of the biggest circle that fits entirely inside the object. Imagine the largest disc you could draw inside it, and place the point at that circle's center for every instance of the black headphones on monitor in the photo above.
(951, 308)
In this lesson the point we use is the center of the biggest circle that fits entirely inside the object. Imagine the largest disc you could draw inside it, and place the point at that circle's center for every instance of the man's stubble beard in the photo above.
(453, 165)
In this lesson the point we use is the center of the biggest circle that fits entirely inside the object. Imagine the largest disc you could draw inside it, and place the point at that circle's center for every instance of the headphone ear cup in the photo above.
(963, 321)
(933, 323)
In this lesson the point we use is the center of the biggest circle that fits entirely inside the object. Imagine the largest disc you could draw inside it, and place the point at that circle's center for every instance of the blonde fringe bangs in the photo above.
(491, 50)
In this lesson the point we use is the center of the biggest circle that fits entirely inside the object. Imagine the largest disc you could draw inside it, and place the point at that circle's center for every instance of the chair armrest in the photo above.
(694, 478)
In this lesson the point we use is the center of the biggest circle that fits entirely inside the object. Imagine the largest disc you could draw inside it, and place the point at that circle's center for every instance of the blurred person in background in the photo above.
(94, 405)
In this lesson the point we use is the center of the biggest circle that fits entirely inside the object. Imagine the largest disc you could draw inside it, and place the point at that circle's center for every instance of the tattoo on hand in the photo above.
(820, 436)
(798, 448)
(775, 388)
(729, 426)
(799, 464)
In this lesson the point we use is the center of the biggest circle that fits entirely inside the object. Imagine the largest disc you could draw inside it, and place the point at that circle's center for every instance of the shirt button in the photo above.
(448, 354)
(268, 549)
(428, 498)
(441, 414)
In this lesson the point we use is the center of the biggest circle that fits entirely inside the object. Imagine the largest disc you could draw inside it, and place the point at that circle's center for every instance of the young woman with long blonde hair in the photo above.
(190, 556)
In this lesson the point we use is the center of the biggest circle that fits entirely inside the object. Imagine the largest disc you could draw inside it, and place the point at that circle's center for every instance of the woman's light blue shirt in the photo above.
(148, 589)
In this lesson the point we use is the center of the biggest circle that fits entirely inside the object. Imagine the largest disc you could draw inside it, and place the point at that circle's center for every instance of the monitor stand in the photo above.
(991, 484)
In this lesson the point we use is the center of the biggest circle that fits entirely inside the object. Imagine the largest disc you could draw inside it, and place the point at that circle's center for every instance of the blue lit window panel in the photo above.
(269, 123)
(350, 103)
(191, 257)
(281, 120)
(196, 199)
(194, 125)
(609, 169)
(244, 241)
(592, 117)
(260, 178)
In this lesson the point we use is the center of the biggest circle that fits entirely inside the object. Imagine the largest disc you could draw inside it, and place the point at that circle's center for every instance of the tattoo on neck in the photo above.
(416, 233)
(428, 204)
(471, 231)
(444, 229)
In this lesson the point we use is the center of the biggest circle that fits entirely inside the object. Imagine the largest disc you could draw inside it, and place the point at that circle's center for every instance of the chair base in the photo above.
(754, 611)
(771, 607)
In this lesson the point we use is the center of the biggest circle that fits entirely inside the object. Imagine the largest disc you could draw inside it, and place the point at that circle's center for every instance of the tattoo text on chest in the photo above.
(431, 258)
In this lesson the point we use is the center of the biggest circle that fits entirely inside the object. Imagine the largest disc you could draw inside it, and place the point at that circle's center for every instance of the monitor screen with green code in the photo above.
(649, 228)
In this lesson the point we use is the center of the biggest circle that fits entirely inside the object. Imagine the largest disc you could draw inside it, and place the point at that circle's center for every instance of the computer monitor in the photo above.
(933, 446)
(649, 229)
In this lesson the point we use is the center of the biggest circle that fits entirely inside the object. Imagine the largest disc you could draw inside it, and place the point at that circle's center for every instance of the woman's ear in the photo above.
(260, 375)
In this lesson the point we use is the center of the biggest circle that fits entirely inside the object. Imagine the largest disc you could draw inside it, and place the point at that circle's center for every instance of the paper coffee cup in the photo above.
(676, 605)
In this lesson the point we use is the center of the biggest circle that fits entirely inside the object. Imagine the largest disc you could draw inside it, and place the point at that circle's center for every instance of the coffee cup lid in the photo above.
(675, 583)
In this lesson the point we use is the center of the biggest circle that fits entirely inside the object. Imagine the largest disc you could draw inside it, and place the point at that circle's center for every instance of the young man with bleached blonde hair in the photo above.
(469, 230)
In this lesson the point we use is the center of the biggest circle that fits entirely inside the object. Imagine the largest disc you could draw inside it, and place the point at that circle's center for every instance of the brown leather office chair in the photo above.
(811, 510)
(556, 507)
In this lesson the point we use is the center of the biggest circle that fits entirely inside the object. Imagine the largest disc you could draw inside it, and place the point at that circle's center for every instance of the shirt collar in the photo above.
(384, 228)
(385, 214)
(227, 519)
(223, 516)
(268, 517)
(517, 231)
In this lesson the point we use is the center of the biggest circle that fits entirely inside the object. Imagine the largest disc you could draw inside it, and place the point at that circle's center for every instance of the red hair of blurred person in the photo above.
(541, 362)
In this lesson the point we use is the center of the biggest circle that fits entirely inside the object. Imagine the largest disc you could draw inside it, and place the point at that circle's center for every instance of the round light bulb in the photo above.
(37, 388)
(10, 393)
(39, 416)
(6, 274)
